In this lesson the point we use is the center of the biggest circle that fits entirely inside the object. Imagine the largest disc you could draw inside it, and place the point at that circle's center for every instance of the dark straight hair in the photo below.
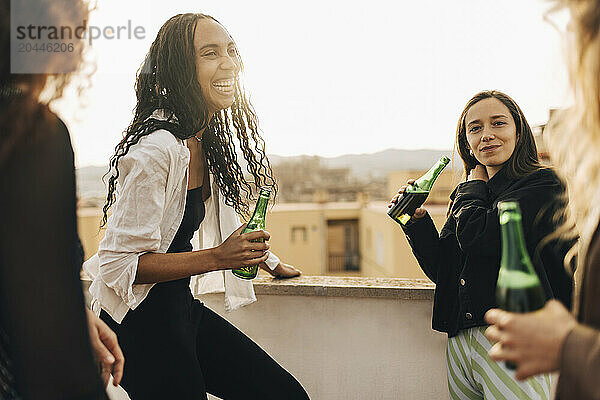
(524, 159)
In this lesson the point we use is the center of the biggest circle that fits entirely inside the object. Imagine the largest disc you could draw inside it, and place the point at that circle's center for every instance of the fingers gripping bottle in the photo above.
(415, 195)
(518, 288)
(256, 223)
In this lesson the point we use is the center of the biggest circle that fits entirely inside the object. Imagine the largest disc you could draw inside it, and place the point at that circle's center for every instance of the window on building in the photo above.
(298, 234)
(342, 246)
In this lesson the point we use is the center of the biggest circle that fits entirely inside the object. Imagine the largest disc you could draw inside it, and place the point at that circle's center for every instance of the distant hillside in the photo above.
(89, 182)
(379, 164)
(362, 166)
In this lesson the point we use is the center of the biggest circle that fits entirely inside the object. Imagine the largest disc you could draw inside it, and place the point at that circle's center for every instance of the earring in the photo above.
(471, 152)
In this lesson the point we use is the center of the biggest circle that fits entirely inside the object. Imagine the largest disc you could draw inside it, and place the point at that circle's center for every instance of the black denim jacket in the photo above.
(464, 259)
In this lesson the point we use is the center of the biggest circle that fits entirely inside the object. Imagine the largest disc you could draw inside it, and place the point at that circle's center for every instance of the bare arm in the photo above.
(237, 251)
(156, 267)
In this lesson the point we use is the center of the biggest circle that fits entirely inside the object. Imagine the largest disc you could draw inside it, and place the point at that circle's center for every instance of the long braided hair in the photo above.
(167, 80)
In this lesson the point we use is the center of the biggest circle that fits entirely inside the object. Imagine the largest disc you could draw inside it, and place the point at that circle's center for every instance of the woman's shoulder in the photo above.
(161, 139)
(545, 174)
(160, 136)
(47, 147)
(49, 136)
(543, 180)
(158, 153)
(50, 127)
(156, 145)
(546, 171)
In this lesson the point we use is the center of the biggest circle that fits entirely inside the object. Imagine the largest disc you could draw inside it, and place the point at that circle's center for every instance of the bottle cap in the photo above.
(508, 205)
(509, 210)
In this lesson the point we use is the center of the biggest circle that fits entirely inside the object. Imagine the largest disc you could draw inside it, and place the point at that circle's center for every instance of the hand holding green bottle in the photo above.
(518, 288)
(243, 249)
(410, 198)
(419, 212)
(256, 224)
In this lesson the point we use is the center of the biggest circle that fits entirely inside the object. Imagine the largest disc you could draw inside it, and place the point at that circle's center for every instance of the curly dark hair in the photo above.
(167, 80)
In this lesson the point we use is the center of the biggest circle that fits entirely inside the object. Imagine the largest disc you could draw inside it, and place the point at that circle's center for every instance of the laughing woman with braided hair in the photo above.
(176, 172)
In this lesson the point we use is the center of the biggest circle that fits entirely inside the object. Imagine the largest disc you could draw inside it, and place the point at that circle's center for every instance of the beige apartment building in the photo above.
(352, 239)
(329, 238)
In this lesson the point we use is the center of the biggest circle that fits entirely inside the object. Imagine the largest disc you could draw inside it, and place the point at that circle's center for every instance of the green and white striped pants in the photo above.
(473, 375)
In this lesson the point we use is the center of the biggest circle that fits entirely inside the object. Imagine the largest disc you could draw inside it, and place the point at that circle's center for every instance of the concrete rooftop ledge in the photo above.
(334, 286)
(338, 286)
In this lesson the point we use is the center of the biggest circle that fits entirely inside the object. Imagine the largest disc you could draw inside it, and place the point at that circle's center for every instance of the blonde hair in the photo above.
(574, 134)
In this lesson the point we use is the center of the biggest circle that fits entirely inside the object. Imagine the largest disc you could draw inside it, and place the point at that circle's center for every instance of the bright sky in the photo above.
(331, 77)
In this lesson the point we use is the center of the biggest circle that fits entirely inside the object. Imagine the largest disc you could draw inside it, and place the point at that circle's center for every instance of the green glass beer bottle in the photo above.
(256, 223)
(415, 195)
(518, 288)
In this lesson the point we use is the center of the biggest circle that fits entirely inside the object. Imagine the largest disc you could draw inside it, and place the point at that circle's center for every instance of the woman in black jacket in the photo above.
(501, 163)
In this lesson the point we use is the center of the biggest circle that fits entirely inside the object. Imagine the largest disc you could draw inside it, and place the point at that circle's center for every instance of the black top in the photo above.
(41, 299)
(192, 217)
(464, 259)
(171, 317)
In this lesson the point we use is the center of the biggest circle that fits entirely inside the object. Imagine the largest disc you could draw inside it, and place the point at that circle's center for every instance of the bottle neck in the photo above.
(514, 252)
(261, 208)
(425, 183)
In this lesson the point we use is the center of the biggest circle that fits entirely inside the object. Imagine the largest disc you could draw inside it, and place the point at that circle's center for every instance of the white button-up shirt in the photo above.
(151, 195)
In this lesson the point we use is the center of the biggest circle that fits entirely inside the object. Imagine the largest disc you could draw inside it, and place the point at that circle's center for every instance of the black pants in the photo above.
(176, 348)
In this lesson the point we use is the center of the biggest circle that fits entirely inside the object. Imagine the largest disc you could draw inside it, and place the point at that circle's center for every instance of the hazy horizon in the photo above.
(332, 78)
(308, 155)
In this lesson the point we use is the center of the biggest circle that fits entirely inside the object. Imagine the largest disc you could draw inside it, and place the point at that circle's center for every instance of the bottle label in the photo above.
(403, 219)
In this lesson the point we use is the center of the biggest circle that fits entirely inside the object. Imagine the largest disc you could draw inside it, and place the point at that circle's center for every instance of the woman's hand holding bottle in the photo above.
(243, 250)
(419, 212)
